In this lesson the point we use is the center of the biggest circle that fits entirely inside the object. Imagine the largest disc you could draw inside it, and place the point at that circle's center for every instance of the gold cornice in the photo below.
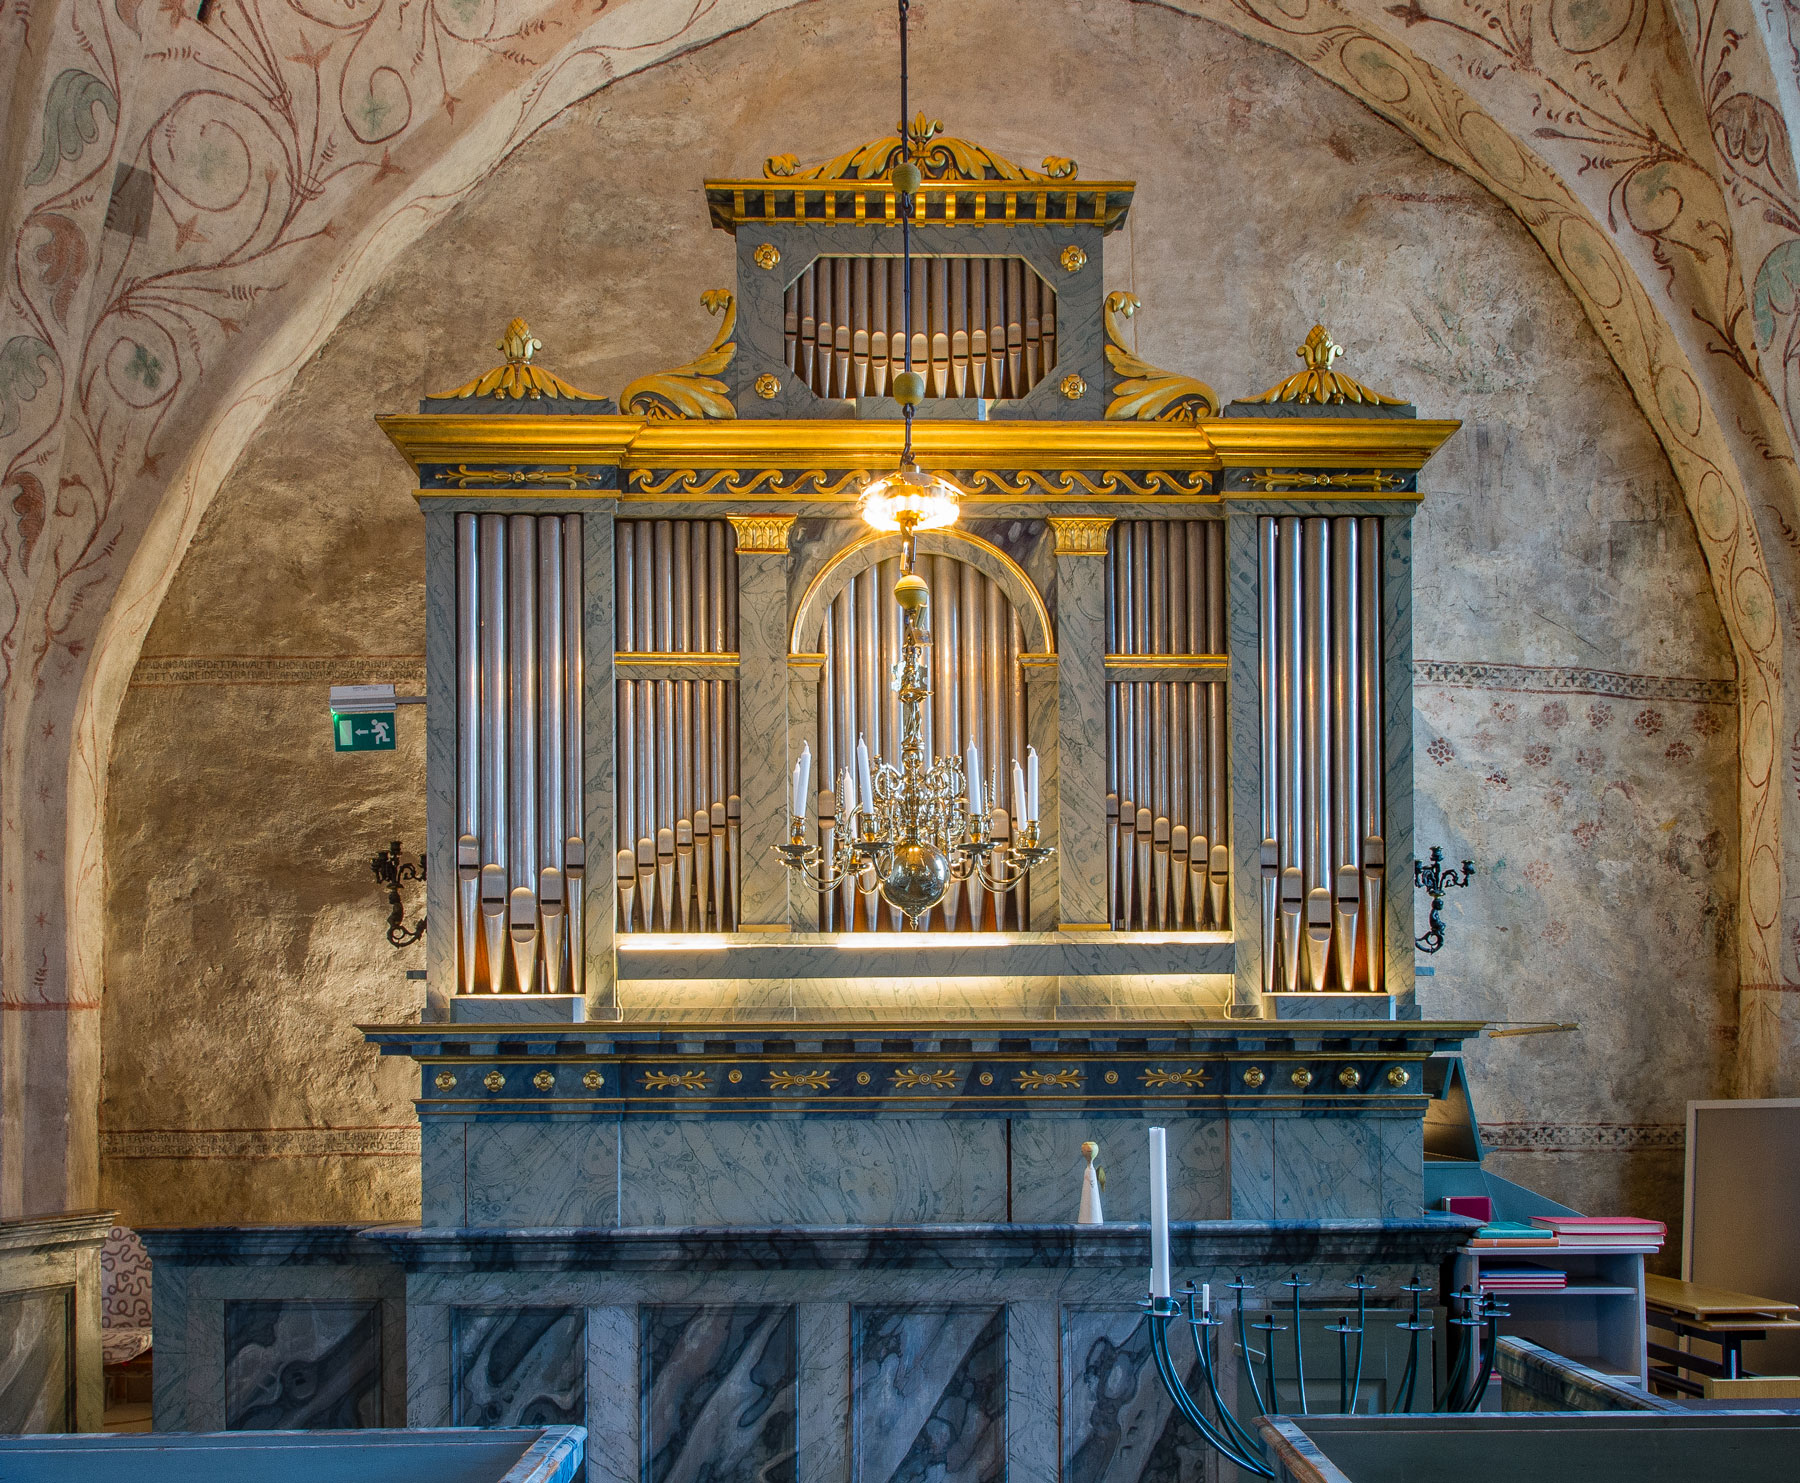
(1081, 535)
(635, 443)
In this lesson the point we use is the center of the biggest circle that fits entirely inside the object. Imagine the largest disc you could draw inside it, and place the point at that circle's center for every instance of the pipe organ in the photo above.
(521, 852)
(658, 627)
(982, 327)
(978, 695)
(679, 816)
(1168, 823)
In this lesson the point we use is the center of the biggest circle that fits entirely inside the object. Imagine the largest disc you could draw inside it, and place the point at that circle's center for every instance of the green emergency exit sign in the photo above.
(368, 731)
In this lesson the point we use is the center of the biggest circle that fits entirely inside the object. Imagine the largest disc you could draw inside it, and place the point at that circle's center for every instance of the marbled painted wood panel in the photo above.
(1118, 1424)
(1032, 1403)
(1043, 704)
(37, 1380)
(441, 947)
(719, 1393)
(928, 1394)
(1244, 707)
(302, 1366)
(519, 1367)
(1397, 757)
(822, 1423)
(1047, 1167)
(763, 760)
(1081, 736)
(599, 697)
(812, 1172)
(613, 1411)
(443, 1172)
(803, 731)
(542, 1174)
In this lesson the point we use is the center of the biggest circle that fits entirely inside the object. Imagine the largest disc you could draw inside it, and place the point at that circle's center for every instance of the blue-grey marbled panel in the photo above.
(299, 1366)
(442, 1172)
(519, 1367)
(1043, 725)
(1252, 1142)
(1118, 1423)
(563, 1173)
(928, 1395)
(1402, 1151)
(763, 746)
(1081, 720)
(719, 1393)
(1047, 1167)
(1326, 1168)
(36, 1383)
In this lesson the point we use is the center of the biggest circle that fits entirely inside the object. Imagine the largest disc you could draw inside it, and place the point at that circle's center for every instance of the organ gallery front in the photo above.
(837, 817)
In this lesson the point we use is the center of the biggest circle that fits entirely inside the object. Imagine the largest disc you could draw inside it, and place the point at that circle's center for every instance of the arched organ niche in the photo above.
(978, 694)
(1324, 854)
(521, 812)
(678, 815)
(982, 327)
(1168, 820)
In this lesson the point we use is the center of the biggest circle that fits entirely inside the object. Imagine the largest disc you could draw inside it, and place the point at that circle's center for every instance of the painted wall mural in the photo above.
(191, 208)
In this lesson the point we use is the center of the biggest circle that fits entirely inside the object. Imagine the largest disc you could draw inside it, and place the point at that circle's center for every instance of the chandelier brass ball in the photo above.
(909, 388)
(907, 178)
(917, 877)
(911, 593)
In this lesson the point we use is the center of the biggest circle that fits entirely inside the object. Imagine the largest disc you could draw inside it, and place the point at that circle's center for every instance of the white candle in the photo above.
(1206, 1300)
(1018, 793)
(972, 766)
(1159, 1214)
(846, 793)
(864, 787)
(802, 780)
(1031, 783)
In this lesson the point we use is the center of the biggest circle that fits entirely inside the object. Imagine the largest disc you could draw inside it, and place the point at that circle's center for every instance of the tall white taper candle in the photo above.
(972, 767)
(1018, 794)
(865, 787)
(802, 780)
(1031, 784)
(1159, 1214)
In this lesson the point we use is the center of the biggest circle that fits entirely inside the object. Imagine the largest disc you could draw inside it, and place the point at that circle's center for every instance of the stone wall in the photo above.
(1557, 567)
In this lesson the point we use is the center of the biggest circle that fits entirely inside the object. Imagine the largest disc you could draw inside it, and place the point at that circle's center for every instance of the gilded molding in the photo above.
(737, 483)
(464, 477)
(517, 379)
(663, 1081)
(1081, 535)
(937, 159)
(667, 659)
(1318, 384)
(1144, 393)
(942, 1079)
(693, 390)
(1078, 484)
(1190, 1077)
(1296, 481)
(762, 534)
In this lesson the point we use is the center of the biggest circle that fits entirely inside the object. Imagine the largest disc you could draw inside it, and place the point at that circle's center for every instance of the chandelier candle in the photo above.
(1159, 1214)
(802, 781)
(972, 774)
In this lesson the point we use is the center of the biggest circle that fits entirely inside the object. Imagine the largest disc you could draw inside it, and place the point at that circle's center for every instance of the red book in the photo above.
(1601, 1225)
(1476, 1207)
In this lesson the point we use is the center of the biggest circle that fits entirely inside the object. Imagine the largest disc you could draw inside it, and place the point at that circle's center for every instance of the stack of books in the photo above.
(1511, 1233)
(1525, 1277)
(1603, 1230)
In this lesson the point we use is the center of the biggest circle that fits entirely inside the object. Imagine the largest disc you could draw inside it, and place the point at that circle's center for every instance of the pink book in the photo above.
(1477, 1207)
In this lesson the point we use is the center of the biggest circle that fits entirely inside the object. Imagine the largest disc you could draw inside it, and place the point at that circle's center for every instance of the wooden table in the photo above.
(1712, 1315)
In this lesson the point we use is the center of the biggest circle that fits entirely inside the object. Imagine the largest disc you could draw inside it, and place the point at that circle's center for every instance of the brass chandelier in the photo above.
(918, 825)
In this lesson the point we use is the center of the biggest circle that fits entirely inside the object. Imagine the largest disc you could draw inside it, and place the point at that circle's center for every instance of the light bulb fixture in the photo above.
(908, 829)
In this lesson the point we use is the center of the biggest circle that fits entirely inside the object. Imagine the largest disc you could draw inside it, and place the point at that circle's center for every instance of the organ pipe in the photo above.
(520, 850)
(1320, 612)
(1167, 862)
(983, 327)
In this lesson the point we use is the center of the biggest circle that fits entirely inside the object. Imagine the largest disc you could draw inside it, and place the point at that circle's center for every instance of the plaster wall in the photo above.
(1557, 565)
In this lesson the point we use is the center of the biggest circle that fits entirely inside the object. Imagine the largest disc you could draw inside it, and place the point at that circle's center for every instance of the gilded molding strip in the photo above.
(942, 1079)
(736, 483)
(1557, 679)
(1192, 1077)
(1220, 662)
(1081, 535)
(725, 659)
(1030, 1081)
(464, 477)
(1074, 483)
(786, 1081)
(1297, 481)
(662, 1081)
(259, 1143)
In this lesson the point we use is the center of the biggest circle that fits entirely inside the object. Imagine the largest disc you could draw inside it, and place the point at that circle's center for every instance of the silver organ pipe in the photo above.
(977, 693)
(1320, 613)
(983, 327)
(676, 758)
(520, 850)
(1167, 862)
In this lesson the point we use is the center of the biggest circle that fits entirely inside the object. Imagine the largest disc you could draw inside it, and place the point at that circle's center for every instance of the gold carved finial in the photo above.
(1081, 535)
(1143, 393)
(762, 534)
(693, 390)
(938, 158)
(518, 379)
(1318, 384)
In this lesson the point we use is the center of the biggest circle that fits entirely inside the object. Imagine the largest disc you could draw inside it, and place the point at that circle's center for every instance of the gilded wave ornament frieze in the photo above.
(1143, 392)
(517, 379)
(1318, 384)
(938, 158)
(735, 483)
(1078, 484)
(693, 390)
(831, 484)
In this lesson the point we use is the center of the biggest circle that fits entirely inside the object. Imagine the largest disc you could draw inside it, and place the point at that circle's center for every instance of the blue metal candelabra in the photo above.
(1474, 1315)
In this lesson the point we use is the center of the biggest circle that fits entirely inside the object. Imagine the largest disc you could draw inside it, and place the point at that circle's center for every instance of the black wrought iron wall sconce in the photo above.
(393, 871)
(1435, 880)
